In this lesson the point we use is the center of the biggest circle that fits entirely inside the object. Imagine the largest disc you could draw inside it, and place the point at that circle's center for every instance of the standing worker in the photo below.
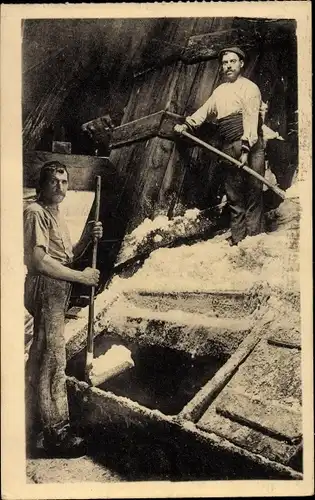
(236, 106)
(48, 254)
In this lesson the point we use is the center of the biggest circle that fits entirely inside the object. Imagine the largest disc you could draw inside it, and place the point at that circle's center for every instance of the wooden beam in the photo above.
(203, 399)
(160, 124)
(152, 92)
(264, 34)
(137, 130)
(82, 169)
(262, 416)
(154, 162)
(249, 34)
(207, 46)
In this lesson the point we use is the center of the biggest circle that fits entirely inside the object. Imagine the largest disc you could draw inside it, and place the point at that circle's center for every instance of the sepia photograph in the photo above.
(163, 180)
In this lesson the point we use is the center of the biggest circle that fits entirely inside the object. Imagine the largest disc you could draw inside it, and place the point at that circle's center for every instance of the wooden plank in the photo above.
(207, 46)
(289, 339)
(151, 173)
(82, 169)
(142, 96)
(151, 93)
(207, 77)
(159, 124)
(132, 172)
(261, 416)
(129, 113)
(202, 171)
(194, 409)
(171, 188)
(247, 438)
(137, 130)
(162, 88)
(247, 35)
(158, 162)
(175, 170)
(161, 53)
(182, 91)
(119, 157)
(271, 373)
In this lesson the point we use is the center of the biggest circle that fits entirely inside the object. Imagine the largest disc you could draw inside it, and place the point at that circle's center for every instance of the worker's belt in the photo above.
(230, 127)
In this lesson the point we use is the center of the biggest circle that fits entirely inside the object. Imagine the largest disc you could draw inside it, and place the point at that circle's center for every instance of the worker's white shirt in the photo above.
(242, 96)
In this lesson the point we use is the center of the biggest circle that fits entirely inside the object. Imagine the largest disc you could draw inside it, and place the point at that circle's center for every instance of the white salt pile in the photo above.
(161, 222)
(148, 226)
(157, 231)
(213, 265)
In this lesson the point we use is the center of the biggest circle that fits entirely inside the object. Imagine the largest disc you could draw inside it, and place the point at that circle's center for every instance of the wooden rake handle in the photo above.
(250, 171)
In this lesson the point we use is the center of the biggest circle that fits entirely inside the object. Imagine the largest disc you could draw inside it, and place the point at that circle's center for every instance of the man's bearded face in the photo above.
(55, 187)
(231, 66)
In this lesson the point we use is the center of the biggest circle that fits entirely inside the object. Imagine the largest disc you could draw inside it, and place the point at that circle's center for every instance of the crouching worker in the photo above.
(48, 255)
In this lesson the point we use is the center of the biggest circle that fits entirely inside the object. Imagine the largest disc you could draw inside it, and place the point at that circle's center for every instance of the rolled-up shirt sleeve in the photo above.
(251, 110)
(36, 234)
(202, 114)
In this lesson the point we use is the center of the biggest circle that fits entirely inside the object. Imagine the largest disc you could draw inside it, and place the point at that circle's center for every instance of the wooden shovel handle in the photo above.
(96, 217)
(250, 171)
(90, 334)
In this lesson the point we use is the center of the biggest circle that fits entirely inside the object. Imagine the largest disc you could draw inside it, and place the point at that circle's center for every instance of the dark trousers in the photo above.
(45, 381)
(244, 192)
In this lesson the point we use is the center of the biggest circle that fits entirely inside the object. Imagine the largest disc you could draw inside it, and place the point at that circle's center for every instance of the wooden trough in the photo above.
(182, 416)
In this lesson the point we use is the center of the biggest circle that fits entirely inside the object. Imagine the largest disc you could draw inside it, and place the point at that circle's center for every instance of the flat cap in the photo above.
(236, 50)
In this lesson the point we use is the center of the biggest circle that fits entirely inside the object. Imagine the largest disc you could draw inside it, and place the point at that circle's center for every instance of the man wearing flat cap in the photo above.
(236, 106)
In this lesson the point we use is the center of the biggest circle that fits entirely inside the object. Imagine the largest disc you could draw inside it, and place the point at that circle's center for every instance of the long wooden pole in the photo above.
(274, 188)
(90, 335)
(202, 400)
